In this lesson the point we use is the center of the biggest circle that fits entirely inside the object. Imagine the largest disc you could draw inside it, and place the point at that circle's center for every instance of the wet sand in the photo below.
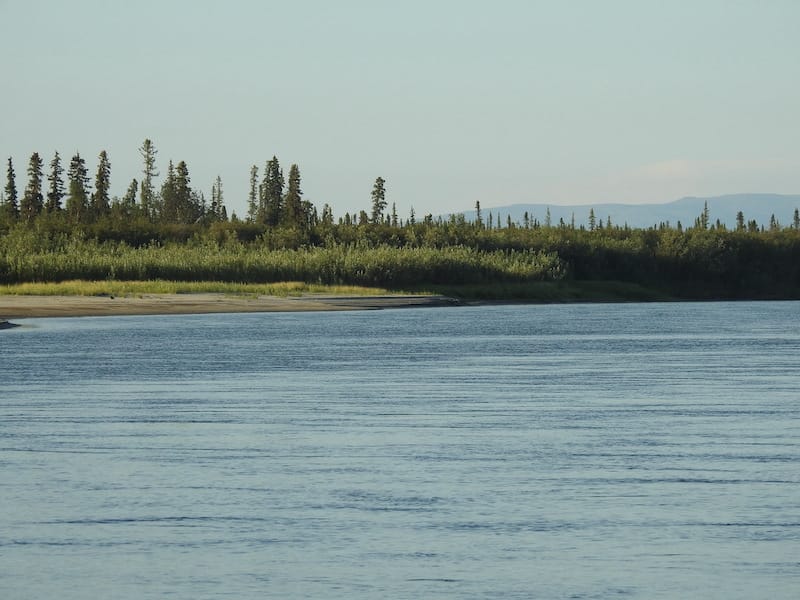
(23, 307)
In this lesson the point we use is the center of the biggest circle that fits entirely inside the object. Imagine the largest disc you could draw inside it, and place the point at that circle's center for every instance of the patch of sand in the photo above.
(19, 307)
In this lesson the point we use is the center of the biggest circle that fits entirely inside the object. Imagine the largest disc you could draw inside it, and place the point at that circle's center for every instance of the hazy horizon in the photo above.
(451, 102)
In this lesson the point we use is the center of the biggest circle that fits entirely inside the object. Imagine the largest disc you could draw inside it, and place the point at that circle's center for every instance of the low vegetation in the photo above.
(138, 288)
(546, 264)
(34, 258)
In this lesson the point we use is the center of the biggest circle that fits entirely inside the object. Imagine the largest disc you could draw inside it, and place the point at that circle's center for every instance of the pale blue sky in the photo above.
(450, 101)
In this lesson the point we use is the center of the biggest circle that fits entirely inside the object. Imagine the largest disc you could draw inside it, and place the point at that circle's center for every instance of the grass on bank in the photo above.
(137, 288)
(537, 291)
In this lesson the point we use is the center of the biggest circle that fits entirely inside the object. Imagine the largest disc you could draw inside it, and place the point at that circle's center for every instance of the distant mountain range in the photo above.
(760, 207)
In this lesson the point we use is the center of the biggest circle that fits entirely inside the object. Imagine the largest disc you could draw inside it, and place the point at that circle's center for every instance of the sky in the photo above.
(450, 101)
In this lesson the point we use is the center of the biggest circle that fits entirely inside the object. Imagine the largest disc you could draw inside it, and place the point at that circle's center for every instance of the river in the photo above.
(559, 451)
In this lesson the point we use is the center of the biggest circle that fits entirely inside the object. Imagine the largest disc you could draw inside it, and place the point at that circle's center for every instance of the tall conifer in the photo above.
(129, 199)
(11, 205)
(32, 200)
(705, 216)
(217, 209)
(252, 199)
(102, 183)
(169, 198)
(293, 203)
(273, 193)
(186, 211)
(147, 194)
(78, 198)
(740, 221)
(56, 191)
(378, 200)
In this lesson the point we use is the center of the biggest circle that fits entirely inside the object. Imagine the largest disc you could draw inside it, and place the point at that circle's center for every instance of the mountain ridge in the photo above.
(754, 206)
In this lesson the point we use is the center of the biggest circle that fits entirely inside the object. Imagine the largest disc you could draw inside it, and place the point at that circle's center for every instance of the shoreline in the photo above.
(30, 307)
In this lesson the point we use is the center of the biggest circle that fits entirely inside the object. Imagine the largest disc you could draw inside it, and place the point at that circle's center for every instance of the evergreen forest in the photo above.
(59, 223)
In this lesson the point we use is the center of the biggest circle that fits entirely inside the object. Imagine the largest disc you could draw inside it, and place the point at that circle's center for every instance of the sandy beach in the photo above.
(23, 307)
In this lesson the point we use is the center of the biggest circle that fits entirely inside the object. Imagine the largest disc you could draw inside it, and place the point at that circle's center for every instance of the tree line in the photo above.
(67, 213)
(273, 201)
(77, 202)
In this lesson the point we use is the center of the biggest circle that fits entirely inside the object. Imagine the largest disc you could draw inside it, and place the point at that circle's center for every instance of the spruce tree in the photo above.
(704, 216)
(129, 199)
(212, 210)
(222, 212)
(186, 210)
(11, 205)
(56, 192)
(592, 221)
(261, 209)
(78, 198)
(796, 220)
(272, 192)
(378, 200)
(147, 194)
(102, 183)
(293, 203)
(773, 223)
(217, 208)
(740, 221)
(32, 200)
(169, 197)
(252, 199)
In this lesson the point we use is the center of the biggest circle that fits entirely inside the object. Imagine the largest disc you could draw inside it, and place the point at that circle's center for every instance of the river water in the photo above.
(562, 451)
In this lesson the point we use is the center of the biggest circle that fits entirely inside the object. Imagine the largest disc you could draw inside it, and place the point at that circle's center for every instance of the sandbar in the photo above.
(24, 307)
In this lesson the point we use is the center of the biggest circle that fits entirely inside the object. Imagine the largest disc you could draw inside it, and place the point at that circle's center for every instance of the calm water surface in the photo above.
(579, 451)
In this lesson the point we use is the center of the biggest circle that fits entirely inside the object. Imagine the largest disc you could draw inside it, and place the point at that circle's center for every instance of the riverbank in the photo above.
(79, 298)
(109, 298)
(22, 307)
